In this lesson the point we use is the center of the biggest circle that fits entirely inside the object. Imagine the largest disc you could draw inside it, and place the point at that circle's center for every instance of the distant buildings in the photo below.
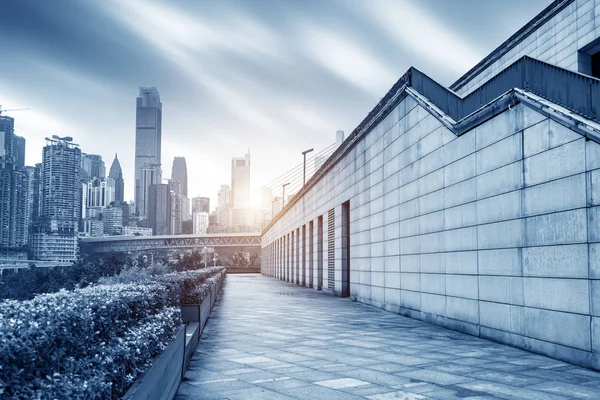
(92, 167)
(201, 204)
(201, 221)
(240, 182)
(224, 206)
(117, 174)
(148, 135)
(54, 236)
(179, 173)
(159, 209)
(136, 231)
(14, 183)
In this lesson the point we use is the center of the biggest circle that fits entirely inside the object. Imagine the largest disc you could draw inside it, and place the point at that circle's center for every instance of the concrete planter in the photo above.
(162, 380)
(190, 312)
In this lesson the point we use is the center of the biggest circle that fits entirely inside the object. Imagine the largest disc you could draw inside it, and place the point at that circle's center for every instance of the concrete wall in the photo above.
(494, 233)
(556, 42)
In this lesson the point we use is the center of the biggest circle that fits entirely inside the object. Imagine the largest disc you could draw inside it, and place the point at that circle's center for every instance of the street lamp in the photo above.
(283, 195)
(304, 153)
(275, 200)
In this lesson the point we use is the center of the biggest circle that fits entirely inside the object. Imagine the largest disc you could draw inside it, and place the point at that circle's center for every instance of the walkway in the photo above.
(268, 339)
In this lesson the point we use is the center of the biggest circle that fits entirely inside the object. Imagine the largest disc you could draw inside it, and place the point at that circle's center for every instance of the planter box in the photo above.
(190, 313)
(162, 380)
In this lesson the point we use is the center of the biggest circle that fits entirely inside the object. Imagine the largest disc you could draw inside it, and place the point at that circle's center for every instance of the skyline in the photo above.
(75, 76)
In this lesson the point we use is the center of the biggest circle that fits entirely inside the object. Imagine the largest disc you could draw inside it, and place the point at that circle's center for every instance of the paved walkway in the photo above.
(267, 339)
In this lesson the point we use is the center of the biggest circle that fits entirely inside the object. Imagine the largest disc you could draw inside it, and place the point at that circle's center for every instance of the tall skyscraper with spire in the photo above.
(148, 133)
(117, 174)
(179, 173)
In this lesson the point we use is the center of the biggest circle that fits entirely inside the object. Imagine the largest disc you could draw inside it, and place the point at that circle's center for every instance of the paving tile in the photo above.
(433, 376)
(259, 344)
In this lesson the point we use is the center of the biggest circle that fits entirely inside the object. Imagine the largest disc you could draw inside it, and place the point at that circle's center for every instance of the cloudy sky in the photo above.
(274, 76)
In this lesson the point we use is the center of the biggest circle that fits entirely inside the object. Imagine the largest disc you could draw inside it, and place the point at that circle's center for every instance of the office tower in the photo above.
(55, 233)
(179, 173)
(13, 187)
(6, 175)
(100, 193)
(19, 152)
(176, 203)
(159, 209)
(148, 175)
(116, 173)
(200, 204)
(148, 123)
(266, 197)
(92, 167)
(185, 209)
(112, 218)
(240, 182)
(200, 221)
(223, 206)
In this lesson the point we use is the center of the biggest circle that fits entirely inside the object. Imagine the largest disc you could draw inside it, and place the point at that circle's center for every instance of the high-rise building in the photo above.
(201, 204)
(224, 206)
(13, 187)
(92, 167)
(55, 232)
(159, 209)
(7, 126)
(100, 193)
(148, 133)
(179, 173)
(112, 218)
(201, 221)
(240, 182)
(116, 173)
(19, 152)
(185, 209)
(176, 203)
(148, 175)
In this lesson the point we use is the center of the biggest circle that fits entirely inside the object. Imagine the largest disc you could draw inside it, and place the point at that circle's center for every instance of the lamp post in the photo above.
(283, 195)
(264, 214)
(275, 200)
(304, 153)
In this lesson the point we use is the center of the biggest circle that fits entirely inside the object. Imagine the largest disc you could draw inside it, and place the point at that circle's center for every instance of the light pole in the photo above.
(275, 200)
(304, 153)
(205, 258)
(283, 195)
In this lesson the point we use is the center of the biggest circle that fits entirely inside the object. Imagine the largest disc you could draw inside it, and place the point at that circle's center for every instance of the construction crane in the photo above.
(14, 109)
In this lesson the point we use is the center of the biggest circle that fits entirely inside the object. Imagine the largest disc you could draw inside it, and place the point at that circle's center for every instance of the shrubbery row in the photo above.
(92, 342)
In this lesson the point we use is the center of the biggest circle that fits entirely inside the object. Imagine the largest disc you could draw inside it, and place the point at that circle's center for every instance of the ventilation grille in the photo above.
(331, 249)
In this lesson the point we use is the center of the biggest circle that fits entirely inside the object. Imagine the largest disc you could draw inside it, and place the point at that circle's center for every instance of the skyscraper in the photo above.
(201, 204)
(19, 151)
(179, 173)
(240, 182)
(148, 123)
(13, 187)
(159, 209)
(148, 175)
(55, 233)
(92, 167)
(116, 173)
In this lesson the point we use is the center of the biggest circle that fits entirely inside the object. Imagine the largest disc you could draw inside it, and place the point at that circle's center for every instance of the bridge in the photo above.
(131, 244)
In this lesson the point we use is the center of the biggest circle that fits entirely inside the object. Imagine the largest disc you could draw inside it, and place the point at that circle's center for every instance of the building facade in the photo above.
(55, 232)
(477, 211)
(179, 173)
(240, 182)
(159, 210)
(148, 137)
(116, 173)
(201, 221)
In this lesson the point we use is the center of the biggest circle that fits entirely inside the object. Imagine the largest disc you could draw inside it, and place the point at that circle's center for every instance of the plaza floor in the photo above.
(268, 339)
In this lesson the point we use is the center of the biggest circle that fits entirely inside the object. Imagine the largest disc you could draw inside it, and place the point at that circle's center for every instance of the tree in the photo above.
(240, 259)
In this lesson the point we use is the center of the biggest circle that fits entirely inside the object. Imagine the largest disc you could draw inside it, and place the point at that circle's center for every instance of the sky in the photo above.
(273, 76)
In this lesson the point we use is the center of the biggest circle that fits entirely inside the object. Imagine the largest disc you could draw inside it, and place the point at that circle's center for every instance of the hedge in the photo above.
(91, 343)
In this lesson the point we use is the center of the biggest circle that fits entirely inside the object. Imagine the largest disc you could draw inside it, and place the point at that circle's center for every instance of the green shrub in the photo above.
(92, 342)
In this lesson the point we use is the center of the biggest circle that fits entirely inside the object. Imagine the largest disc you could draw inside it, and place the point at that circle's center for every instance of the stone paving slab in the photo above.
(268, 339)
